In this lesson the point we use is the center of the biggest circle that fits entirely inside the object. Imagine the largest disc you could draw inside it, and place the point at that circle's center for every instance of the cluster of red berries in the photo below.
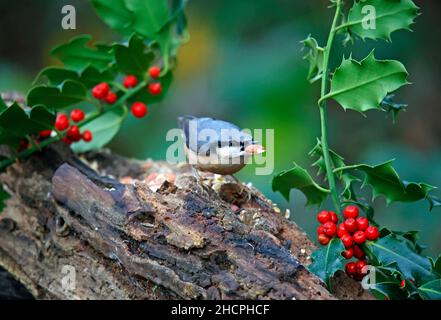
(73, 134)
(353, 232)
(139, 109)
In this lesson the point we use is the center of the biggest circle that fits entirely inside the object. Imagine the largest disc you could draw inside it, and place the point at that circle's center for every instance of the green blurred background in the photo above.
(244, 64)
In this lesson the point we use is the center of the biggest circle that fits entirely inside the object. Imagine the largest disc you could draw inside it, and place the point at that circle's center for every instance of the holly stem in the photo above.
(322, 107)
(60, 135)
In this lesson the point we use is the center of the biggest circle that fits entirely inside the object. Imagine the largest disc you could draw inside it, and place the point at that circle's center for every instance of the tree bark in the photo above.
(128, 229)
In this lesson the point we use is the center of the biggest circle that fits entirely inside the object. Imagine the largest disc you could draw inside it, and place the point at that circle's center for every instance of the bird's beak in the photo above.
(255, 149)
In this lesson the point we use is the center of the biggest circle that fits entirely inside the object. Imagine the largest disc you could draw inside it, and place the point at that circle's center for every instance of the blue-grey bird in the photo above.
(217, 146)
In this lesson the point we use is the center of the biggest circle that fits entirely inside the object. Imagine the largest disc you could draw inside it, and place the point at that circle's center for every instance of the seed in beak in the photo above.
(255, 149)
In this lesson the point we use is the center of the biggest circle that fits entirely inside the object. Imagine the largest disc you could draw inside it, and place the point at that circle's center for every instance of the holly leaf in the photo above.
(3, 197)
(431, 290)
(361, 86)
(299, 178)
(378, 19)
(337, 161)
(56, 75)
(133, 59)
(103, 129)
(315, 59)
(437, 265)
(69, 93)
(386, 285)
(385, 181)
(327, 260)
(115, 14)
(17, 122)
(76, 55)
(391, 250)
(89, 77)
(149, 16)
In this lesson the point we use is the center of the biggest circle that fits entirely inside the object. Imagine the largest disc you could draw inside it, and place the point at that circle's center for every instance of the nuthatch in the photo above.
(217, 146)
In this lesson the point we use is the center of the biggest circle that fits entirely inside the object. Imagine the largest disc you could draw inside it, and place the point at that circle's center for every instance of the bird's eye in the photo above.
(230, 143)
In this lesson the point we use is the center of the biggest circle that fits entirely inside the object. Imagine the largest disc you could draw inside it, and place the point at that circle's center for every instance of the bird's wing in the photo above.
(224, 133)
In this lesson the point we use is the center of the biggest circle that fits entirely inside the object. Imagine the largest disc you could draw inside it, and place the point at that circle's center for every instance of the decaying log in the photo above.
(129, 233)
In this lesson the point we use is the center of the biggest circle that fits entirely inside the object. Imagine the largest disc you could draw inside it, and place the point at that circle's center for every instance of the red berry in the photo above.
(87, 136)
(320, 230)
(323, 217)
(341, 231)
(67, 141)
(77, 115)
(351, 225)
(350, 212)
(351, 269)
(62, 122)
(139, 109)
(347, 241)
(155, 88)
(358, 253)
(130, 81)
(100, 90)
(359, 266)
(74, 133)
(154, 72)
(111, 97)
(334, 217)
(403, 283)
(323, 239)
(362, 223)
(348, 254)
(359, 237)
(372, 233)
(45, 134)
(330, 229)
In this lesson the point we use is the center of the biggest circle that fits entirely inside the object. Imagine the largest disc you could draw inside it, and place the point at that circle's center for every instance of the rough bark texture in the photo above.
(149, 230)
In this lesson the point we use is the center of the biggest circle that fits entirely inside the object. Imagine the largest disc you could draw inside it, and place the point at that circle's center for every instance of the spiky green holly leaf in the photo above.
(115, 14)
(385, 181)
(76, 55)
(387, 284)
(378, 19)
(3, 197)
(315, 59)
(336, 161)
(16, 123)
(88, 77)
(327, 260)
(103, 129)
(431, 290)
(412, 236)
(392, 250)
(298, 178)
(20, 123)
(361, 86)
(134, 58)
(56, 75)
(67, 94)
(149, 16)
